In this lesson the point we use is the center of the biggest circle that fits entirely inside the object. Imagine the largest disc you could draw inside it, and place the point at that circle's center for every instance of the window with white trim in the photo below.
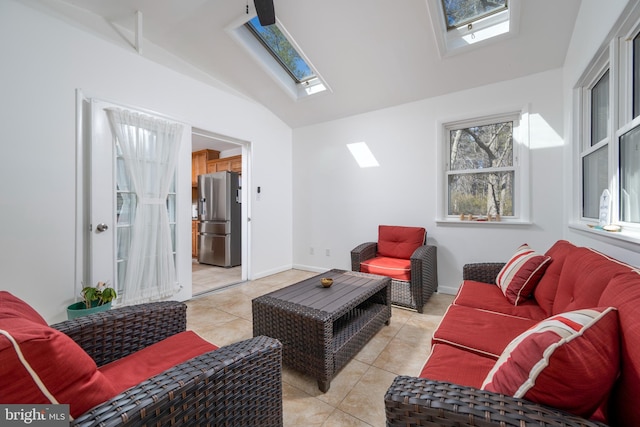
(608, 130)
(483, 173)
(595, 147)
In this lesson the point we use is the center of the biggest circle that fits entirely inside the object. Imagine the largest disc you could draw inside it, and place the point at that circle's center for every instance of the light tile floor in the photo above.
(356, 394)
(209, 277)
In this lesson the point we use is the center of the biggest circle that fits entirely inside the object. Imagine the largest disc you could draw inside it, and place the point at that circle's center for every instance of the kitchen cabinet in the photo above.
(199, 161)
(194, 239)
(233, 164)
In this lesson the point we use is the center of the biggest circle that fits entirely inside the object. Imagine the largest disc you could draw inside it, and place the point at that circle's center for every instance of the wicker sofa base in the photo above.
(412, 401)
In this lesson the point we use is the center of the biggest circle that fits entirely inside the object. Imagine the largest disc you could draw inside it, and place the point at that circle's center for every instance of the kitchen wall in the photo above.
(44, 60)
(338, 205)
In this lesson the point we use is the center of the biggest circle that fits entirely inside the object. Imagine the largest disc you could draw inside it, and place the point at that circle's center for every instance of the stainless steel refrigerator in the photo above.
(219, 203)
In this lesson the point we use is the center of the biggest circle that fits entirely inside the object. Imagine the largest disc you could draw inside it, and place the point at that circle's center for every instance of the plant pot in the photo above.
(79, 309)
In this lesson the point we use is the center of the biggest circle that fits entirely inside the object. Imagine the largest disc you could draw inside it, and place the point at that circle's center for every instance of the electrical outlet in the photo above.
(327, 252)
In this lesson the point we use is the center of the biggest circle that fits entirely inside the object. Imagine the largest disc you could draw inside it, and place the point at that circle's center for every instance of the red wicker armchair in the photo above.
(236, 385)
(402, 254)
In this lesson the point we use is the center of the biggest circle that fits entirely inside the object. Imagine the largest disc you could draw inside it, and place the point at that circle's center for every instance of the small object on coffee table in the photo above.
(326, 282)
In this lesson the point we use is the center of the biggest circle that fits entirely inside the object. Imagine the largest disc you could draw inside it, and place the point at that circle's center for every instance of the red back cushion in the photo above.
(399, 242)
(569, 361)
(41, 365)
(545, 292)
(623, 292)
(584, 276)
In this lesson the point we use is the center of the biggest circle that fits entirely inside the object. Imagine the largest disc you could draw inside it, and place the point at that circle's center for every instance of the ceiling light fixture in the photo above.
(265, 11)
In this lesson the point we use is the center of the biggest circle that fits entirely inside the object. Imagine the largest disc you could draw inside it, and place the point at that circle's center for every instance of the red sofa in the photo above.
(544, 339)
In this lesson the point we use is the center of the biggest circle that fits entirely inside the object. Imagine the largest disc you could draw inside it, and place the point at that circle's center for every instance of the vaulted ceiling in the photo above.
(372, 54)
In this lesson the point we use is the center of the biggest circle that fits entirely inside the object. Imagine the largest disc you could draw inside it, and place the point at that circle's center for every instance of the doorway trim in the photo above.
(246, 200)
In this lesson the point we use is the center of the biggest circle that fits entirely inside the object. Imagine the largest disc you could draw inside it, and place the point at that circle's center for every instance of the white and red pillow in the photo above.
(41, 365)
(520, 275)
(569, 361)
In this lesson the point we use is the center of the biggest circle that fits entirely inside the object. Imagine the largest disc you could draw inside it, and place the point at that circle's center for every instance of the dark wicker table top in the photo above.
(348, 290)
(321, 329)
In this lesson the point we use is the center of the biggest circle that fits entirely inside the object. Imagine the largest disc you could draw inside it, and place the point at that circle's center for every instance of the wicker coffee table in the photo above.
(321, 329)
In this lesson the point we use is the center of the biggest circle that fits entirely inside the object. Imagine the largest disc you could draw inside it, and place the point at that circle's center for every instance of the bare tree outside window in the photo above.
(481, 170)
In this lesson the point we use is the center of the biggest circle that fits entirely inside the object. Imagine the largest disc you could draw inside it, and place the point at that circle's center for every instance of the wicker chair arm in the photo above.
(412, 401)
(361, 253)
(116, 333)
(236, 385)
(485, 272)
(423, 253)
(424, 272)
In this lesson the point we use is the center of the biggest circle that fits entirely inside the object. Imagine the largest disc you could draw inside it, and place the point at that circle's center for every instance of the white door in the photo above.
(112, 204)
(102, 211)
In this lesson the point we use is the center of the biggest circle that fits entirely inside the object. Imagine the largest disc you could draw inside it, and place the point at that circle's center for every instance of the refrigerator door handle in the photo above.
(202, 209)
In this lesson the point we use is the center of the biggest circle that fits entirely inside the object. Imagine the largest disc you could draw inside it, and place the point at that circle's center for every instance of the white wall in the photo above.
(43, 61)
(337, 205)
(591, 29)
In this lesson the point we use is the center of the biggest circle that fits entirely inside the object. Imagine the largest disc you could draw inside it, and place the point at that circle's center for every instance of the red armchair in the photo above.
(137, 365)
(402, 254)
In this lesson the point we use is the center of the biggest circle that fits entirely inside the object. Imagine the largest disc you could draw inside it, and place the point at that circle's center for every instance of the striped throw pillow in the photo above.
(569, 361)
(519, 277)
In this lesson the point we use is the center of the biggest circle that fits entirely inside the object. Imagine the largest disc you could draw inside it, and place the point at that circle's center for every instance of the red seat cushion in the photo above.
(623, 292)
(399, 269)
(489, 297)
(480, 331)
(155, 359)
(568, 361)
(454, 365)
(40, 365)
(399, 242)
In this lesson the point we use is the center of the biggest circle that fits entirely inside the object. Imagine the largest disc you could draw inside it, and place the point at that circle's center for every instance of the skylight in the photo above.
(461, 24)
(277, 53)
(279, 46)
(459, 13)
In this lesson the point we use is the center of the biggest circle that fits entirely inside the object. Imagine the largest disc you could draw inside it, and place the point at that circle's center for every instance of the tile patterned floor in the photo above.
(356, 394)
(208, 277)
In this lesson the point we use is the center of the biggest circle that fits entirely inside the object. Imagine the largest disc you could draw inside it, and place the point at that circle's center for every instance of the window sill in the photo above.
(624, 235)
(502, 223)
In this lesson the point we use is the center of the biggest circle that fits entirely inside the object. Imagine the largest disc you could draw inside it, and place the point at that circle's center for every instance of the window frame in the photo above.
(473, 20)
(617, 55)
(521, 184)
(587, 146)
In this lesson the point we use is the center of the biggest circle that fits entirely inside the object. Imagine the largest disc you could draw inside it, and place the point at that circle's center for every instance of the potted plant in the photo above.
(94, 299)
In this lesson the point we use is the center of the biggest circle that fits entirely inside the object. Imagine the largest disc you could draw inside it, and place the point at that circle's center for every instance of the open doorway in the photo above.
(215, 156)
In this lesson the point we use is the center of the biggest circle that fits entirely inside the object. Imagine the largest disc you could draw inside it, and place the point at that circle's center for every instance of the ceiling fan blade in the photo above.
(266, 13)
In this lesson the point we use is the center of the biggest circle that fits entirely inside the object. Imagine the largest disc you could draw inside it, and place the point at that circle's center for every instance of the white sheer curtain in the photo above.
(149, 147)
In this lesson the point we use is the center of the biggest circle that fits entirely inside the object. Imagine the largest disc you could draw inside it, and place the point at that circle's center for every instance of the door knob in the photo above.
(102, 227)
